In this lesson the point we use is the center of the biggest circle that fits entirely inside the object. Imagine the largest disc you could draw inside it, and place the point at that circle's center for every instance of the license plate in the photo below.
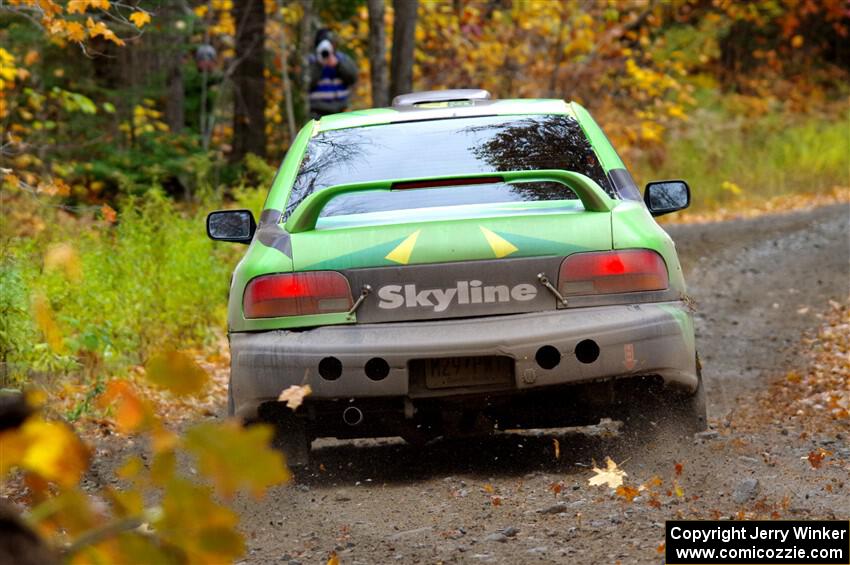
(467, 371)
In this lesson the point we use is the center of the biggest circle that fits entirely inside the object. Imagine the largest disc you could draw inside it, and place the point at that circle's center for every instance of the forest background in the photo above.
(122, 122)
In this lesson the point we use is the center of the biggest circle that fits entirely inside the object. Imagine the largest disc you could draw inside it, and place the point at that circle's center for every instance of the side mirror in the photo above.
(231, 225)
(665, 196)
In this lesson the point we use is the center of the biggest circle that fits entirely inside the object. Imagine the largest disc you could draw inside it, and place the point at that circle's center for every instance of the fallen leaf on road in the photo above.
(333, 559)
(653, 482)
(679, 468)
(629, 493)
(611, 475)
(816, 457)
(294, 395)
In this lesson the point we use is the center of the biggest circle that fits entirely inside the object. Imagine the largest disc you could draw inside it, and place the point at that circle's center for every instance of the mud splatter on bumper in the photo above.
(633, 340)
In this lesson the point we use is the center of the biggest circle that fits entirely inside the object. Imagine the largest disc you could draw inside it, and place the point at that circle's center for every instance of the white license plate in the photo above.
(467, 371)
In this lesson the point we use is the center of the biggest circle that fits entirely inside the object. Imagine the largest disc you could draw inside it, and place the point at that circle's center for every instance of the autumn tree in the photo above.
(404, 39)
(377, 53)
(249, 83)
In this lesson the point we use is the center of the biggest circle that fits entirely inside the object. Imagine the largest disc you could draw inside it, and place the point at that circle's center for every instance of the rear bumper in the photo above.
(633, 340)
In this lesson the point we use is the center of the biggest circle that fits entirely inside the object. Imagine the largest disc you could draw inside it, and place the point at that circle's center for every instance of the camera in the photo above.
(324, 50)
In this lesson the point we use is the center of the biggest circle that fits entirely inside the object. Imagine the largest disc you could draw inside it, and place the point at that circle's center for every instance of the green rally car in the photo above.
(453, 265)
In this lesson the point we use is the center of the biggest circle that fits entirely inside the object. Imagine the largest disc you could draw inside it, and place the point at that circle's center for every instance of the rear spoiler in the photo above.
(592, 197)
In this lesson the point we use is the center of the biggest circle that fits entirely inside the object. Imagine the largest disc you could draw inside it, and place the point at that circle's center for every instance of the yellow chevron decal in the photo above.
(401, 254)
(500, 246)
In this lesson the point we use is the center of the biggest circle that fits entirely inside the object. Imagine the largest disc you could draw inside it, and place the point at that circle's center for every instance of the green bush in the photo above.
(152, 280)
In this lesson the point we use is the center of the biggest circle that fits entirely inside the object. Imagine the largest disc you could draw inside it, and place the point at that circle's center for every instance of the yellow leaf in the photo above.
(11, 180)
(193, 521)
(611, 475)
(223, 450)
(140, 18)
(48, 449)
(294, 395)
(80, 6)
(163, 439)
(131, 468)
(797, 41)
(99, 29)
(176, 372)
(131, 411)
(77, 6)
(75, 31)
(333, 559)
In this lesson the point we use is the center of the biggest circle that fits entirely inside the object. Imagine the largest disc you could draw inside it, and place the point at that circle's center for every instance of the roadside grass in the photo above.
(91, 297)
(740, 161)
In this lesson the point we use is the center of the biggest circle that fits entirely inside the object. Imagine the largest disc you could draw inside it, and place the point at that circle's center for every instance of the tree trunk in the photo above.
(284, 75)
(377, 53)
(305, 43)
(249, 100)
(175, 116)
(404, 39)
(173, 51)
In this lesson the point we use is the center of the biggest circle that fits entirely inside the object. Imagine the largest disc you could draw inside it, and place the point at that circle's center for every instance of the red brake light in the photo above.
(296, 294)
(608, 272)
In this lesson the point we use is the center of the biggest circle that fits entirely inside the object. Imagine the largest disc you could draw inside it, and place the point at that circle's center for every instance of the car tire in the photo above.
(291, 435)
(679, 415)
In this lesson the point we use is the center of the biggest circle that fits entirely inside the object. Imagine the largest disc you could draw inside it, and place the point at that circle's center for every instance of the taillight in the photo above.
(296, 294)
(630, 270)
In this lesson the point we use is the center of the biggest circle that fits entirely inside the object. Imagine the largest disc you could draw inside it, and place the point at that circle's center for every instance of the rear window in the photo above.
(445, 147)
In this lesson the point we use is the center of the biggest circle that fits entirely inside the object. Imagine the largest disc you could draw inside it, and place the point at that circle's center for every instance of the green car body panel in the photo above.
(361, 246)
(414, 246)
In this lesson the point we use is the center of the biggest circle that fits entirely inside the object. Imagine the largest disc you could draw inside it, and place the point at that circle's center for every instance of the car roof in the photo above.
(437, 111)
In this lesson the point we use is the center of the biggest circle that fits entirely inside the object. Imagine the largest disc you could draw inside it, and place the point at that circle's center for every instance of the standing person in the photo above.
(332, 74)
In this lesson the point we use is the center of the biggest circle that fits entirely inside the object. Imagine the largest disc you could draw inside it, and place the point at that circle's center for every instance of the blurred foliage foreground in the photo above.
(155, 514)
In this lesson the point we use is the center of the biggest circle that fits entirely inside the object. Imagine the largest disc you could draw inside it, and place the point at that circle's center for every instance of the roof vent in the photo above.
(441, 97)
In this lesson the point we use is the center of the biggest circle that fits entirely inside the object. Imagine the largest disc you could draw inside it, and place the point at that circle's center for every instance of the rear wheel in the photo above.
(654, 410)
(291, 435)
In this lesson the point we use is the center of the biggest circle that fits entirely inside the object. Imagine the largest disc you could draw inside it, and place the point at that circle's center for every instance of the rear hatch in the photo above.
(453, 261)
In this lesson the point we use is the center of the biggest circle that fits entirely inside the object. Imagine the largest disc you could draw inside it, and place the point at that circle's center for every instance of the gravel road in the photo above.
(759, 285)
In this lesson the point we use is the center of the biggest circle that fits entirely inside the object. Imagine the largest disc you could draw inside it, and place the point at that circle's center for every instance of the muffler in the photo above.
(352, 416)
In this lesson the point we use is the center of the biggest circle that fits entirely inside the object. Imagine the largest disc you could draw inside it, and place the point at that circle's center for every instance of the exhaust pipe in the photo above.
(352, 416)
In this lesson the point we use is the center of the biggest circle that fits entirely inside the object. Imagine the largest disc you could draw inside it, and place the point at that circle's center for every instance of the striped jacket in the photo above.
(330, 87)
